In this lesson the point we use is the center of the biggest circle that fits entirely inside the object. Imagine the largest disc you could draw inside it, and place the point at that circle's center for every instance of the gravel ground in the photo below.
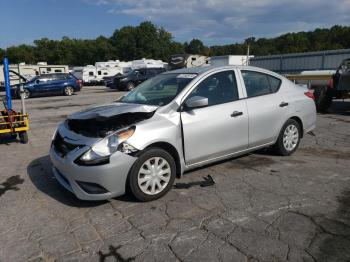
(261, 208)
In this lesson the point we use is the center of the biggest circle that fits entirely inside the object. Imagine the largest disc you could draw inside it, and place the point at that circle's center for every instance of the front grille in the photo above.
(62, 147)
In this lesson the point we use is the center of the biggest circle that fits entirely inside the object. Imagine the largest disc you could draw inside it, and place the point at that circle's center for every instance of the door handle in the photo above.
(236, 113)
(283, 104)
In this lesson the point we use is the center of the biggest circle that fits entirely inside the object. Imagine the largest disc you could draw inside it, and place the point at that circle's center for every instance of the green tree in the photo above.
(125, 43)
(196, 46)
(21, 53)
(150, 41)
(2, 54)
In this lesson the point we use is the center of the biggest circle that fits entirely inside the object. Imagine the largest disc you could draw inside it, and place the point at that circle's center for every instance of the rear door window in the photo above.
(258, 84)
(61, 77)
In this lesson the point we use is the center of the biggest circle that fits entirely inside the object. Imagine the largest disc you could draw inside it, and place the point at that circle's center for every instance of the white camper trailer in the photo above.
(95, 74)
(29, 71)
(148, 63)
(230, 60)
(88, 74)
(111, 68)
(109, 63)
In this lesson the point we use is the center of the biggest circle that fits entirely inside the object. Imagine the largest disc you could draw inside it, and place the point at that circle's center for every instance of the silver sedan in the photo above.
(175, 122)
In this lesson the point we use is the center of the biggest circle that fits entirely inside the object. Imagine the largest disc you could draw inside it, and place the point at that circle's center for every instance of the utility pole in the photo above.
(247, 60)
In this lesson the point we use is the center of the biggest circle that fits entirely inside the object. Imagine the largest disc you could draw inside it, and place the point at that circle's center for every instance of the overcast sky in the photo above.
(212, 21)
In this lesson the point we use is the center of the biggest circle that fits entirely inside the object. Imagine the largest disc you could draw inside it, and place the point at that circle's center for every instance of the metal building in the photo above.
(295, 63)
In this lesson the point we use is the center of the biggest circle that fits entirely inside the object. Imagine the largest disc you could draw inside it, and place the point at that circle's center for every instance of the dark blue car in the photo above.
(49, 84)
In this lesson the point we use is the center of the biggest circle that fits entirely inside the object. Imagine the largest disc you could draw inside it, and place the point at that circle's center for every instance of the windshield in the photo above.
(159, 90)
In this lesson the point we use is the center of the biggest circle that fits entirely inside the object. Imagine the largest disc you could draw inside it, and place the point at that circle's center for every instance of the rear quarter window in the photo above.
(275, 83)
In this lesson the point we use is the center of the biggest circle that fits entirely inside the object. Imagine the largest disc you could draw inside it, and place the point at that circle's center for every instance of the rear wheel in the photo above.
(152, 175)
(323, 99)
(23, 137)
(68, 90)
(288, 139)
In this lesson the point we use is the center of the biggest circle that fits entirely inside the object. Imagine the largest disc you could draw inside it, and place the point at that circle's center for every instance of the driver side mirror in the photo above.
(37, 81)
(196, 102)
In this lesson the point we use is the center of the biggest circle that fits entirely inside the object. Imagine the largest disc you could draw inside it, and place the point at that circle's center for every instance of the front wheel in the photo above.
(288, 139)
(152, 175)
(26, 94)
(68, 90)
(130, 86)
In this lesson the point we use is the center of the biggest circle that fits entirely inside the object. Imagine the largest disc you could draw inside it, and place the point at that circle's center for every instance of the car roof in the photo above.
(204, 69)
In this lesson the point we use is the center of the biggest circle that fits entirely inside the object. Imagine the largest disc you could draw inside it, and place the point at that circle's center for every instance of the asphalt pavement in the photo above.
(262, 207)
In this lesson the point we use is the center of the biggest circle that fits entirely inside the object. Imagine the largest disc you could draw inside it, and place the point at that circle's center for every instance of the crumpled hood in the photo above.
(102, 120)
(110, 110)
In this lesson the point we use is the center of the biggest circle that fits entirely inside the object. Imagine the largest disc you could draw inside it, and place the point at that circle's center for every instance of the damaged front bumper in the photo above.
(98, 182)
(92, 182)
(90, 131)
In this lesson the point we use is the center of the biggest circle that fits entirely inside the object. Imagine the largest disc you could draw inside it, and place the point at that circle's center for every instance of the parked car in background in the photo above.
(49, 84)
(174, 122)
(131, 80)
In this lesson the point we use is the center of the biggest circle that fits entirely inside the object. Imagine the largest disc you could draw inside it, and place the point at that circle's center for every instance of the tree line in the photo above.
(150, 41)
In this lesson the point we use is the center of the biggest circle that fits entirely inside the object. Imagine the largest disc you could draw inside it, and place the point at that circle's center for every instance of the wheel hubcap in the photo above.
(26, 94)
(154, 175)
(69, 91)
(290, 137)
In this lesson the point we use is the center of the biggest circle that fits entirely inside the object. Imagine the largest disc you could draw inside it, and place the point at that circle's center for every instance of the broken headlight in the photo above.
(101, 151)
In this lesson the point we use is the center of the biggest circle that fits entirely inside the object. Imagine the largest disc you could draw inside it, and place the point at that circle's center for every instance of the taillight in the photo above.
(330, 83)
(79, 82)
(310, 95)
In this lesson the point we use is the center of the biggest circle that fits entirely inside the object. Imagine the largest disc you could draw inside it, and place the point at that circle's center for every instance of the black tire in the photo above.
(140, 162)
(280, 148)
(130, 86)
(323, 99)
(23, 137)
(68, 91)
